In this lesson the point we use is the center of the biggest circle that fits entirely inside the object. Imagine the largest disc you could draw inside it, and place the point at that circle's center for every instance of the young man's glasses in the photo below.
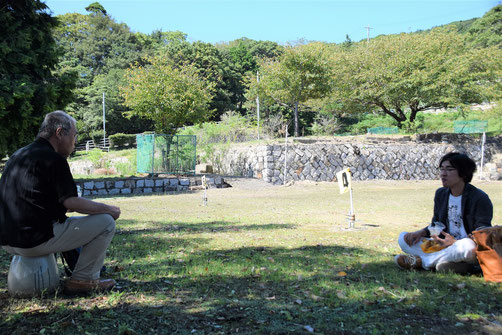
(447, 169)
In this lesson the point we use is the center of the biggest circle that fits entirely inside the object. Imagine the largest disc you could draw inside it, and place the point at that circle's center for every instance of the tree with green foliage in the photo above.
(115, 108)
(212, 65)
(401, 75)
(31, 82)
(487, 30)
(300, 74)
(95, 45)
(169, 96)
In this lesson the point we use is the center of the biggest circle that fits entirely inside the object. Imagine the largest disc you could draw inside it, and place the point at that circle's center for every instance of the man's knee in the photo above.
(101, 222)
(401, 241)
(108, 222)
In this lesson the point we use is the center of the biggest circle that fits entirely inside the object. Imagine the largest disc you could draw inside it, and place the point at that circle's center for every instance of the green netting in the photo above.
(383, 130)
(469, 127)
(160, 153)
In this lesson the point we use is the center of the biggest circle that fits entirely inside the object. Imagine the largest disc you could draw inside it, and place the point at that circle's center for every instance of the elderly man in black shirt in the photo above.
(36, 191)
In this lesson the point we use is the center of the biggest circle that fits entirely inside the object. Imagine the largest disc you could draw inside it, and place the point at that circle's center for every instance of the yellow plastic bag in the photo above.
(428, 246)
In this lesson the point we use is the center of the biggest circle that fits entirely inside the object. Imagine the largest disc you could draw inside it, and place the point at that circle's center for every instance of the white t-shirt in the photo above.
(455, 220)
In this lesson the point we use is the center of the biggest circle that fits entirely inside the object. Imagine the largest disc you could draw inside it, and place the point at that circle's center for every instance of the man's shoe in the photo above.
(75, 286)
(408, 262)
(460, 268)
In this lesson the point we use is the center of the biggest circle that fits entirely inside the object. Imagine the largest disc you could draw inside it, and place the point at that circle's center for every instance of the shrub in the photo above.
(325, 124)
(98, 158)
(120, 140)
(96, 136)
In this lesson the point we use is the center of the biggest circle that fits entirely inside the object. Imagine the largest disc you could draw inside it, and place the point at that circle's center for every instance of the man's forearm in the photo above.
(86, 206)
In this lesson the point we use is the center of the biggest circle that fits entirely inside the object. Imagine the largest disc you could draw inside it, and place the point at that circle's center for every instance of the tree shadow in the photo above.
(199, 227)
(171, 289)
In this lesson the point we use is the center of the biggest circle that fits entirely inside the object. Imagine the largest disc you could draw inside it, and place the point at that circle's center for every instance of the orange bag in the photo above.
(489, 252)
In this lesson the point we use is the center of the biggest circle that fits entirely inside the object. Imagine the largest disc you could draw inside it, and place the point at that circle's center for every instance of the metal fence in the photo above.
(470, 127)
(170, 154)
(383, 130)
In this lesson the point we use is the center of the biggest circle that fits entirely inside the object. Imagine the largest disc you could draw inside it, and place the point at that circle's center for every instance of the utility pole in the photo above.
(258, 105)
(368, 33)
(104, 122)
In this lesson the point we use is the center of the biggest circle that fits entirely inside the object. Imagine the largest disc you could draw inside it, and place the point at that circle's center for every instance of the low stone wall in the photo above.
(369, 159)
(124, 186)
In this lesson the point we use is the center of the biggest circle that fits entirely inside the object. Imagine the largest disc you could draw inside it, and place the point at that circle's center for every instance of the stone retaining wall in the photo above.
(320, 161)
(125, 186)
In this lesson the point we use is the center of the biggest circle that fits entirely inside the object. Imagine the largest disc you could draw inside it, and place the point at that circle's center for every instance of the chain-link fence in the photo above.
(383, 130)
(470, 127)
(170, 154)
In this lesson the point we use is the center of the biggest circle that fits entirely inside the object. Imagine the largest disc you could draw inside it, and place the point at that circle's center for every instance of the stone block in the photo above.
(114, 191)
(126, 191)
(147, 190)
(89, 185)
(173, 182)
(159, 182)
(149, 183)
(140, 183)
(203, 168)
(119, 184)
(99, 185)
(102, 191)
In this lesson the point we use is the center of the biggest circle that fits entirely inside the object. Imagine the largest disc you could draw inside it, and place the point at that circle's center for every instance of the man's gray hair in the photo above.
(53, 121)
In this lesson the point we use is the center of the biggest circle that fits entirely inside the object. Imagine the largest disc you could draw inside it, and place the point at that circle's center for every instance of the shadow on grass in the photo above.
(259, 290)
(206, 227)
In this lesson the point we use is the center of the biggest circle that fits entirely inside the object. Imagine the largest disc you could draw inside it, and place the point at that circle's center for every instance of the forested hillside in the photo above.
(74, 60)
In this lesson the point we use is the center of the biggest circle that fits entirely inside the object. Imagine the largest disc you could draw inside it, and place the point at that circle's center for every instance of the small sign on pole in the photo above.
(345, 183)
(204, 186)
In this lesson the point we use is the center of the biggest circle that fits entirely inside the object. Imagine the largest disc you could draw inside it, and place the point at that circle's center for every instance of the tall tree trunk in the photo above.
(297, 127)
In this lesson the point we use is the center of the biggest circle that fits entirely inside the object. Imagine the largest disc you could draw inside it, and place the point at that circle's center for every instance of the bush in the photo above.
(98, 158)
(96, 136)
(325, 124)
(129, 168)
(120, 140)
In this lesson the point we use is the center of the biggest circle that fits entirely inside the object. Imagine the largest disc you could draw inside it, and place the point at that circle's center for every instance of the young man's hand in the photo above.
(414, 238)
(446, 241)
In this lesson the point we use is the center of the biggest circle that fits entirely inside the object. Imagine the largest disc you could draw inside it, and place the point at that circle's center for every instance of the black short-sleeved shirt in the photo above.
(35, 182)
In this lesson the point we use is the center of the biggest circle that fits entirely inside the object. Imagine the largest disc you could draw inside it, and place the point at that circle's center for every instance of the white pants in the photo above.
(93, 233)
(461, 251)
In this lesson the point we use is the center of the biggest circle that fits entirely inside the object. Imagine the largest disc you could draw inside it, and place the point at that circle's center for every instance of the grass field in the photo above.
(268, 260)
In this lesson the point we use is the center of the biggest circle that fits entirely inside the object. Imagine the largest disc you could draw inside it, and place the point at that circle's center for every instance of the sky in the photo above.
(282, 21)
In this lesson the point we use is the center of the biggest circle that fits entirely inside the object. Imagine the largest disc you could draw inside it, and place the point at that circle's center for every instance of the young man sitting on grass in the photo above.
(461, 208)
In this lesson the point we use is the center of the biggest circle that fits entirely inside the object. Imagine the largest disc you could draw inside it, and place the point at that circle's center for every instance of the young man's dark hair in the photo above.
(463, 163)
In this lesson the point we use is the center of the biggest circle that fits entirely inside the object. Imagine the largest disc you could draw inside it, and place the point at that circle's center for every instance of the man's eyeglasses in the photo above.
(447, 170)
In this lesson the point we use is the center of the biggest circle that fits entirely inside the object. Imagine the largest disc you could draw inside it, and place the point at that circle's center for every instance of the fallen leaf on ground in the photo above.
(341, 295)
